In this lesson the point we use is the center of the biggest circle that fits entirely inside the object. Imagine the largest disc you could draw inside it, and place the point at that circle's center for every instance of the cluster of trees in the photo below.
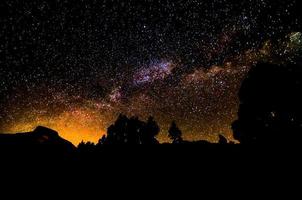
(132, 131)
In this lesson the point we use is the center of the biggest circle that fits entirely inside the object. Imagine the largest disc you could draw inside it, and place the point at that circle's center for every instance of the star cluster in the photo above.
(74, 66)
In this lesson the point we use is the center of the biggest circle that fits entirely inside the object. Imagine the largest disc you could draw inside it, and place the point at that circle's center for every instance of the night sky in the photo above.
(74, 66)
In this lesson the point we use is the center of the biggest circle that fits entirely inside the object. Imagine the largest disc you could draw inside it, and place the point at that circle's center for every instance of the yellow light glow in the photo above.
(75, 126)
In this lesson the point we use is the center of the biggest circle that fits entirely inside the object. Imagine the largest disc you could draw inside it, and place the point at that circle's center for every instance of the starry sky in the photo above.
(74, 66)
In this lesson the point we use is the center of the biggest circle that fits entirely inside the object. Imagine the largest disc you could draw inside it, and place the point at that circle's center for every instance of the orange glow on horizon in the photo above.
(75, 126)
(84, 124)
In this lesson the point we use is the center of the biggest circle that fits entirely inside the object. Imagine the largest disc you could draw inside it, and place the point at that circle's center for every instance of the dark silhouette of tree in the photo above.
(116, 133)
(102, 140)
(86, 147)
(151, 130)
(131, 131)
(270, 105)
(134, 130)
(81, 145)
(175, 133)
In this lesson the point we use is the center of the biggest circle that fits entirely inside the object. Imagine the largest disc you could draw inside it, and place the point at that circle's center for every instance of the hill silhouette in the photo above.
(40, 142)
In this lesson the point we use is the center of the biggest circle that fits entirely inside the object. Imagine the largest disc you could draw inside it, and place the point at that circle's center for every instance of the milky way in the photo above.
(74, 66)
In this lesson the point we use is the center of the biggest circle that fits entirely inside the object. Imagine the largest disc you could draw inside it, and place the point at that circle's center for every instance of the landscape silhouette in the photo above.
(270, 113)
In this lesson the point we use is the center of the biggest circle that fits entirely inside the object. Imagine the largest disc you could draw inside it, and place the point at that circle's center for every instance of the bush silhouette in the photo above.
(270, 105)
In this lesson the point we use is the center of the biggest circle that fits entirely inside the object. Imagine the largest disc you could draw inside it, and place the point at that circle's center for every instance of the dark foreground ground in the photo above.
(150, 171)
(158, 155)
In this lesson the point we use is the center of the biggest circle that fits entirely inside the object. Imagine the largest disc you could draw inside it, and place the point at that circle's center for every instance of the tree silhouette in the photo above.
(150, 131)
(131, 131)
(86, 147)
(116, 133)
(270, 105)
(102, 140)
(175, 133)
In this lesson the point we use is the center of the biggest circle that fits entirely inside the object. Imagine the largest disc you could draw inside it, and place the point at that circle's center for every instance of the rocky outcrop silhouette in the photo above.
(41, 140)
